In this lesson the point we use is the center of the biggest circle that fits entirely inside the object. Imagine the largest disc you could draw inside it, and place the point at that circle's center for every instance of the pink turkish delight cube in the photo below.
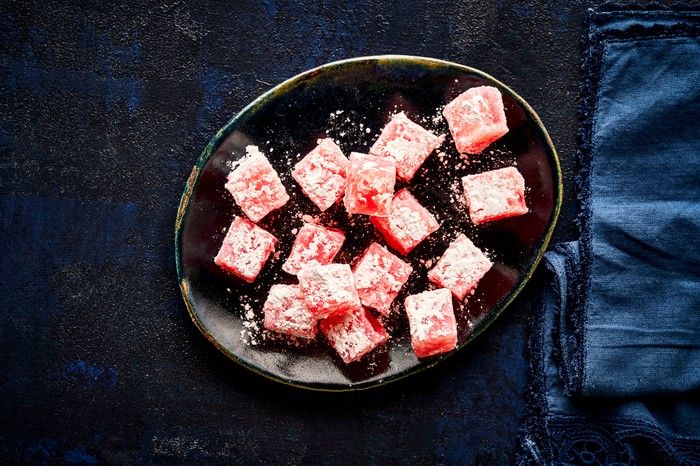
(354, 334)
(245, 249)
(314, 245)
(495, 194)
(432, 322)
(476, 118)
(286, 312)
(460, 268)
(408, 143)
(379, 276)
(328, 289)
(408, 223)
(370, 185)
(322, 174)
(255, 185)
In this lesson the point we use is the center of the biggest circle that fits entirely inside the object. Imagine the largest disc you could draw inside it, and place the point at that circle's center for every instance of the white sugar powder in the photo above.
(407, 223)
(425, 310)
(347, 338)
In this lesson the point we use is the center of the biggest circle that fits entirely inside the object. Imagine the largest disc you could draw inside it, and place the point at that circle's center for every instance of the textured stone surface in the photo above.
(104, 108)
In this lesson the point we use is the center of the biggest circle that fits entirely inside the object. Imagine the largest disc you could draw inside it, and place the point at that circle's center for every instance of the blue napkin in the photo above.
(615, 346)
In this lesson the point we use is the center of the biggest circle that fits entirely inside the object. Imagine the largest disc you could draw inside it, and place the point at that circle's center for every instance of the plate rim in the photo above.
(224, 132)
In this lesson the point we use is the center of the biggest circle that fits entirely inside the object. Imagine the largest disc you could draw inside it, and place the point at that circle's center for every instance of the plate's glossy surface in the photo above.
(351, 101)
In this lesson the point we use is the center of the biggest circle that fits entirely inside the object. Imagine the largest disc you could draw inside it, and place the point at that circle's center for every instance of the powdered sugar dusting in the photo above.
(461, 267)
(256, 186)
(314, 245)
(245, 249)
(430, 315)
(495, 194)
(354, 334)
(322, 173)
(286, 312)
(407, 223)
(370, 184)
(328, 289)
(347, 339)
(379, 276)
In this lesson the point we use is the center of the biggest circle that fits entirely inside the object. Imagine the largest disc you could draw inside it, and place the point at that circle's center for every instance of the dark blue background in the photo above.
(104, 108)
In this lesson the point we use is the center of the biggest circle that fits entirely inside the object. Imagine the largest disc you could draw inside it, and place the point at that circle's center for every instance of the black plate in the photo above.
(342, 100)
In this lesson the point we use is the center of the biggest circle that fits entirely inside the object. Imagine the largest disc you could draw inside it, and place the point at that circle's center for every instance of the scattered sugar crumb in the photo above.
(427, 263)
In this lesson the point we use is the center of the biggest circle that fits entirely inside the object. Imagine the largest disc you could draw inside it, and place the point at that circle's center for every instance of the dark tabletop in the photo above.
(104, 109)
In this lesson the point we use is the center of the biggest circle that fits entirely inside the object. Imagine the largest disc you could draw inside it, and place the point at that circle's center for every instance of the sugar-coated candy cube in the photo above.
(408, 223)
(476, 118)
(370, 185)
(286, 312)
(328, 289)
(408, 143)
(322, 174)
(255, 185)
(432, 322)
(495, 194)
(354, 334)
(314, 245)
(245, 249)
(379, 276)
(461, 267)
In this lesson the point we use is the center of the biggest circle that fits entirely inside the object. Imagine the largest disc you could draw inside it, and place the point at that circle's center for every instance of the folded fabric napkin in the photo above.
(615, 346)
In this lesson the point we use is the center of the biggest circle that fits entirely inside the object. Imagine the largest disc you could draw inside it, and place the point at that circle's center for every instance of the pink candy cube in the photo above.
(370, 184)
(354, 334)
(285, 312)
(379, 276)
(495, 194)
(476, 118)
(431, 319)
(329, 289)
(408, 143)
(408, 223)
(322, 173)
(255, 185)
(460, 268)
(314, 245)
(245, 249)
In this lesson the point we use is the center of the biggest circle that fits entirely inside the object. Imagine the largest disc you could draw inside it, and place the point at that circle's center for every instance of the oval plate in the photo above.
(351, 101)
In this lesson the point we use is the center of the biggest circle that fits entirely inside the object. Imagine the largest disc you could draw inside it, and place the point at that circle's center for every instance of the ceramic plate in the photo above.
(351, 101)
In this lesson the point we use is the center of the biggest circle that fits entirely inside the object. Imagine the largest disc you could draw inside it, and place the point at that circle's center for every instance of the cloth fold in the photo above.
(563, 429)
(615, 345)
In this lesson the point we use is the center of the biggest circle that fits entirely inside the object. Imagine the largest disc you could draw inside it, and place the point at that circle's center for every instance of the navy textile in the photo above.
(616, 348)
(642, 225)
